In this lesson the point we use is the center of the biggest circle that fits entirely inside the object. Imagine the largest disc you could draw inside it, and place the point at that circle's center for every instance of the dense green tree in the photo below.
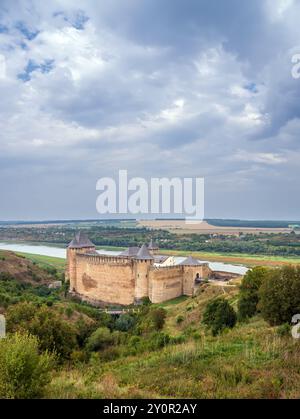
(219, 315)
(24, 371)
(279, 295)
(248, 298)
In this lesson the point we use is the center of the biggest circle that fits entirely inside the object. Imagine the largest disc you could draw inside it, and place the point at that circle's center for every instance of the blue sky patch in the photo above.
(44, 67)
(78, 21)
(28, 33)
(252, 87)
(3, 29)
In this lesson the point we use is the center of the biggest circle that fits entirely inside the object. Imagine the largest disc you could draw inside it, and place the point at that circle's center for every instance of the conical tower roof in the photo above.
(131, 251)
(144, 254)
(152, 245)
(80, 240)
(190, 261)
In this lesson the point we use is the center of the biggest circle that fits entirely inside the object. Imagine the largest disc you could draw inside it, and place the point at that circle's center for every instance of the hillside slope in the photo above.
(250, 361)
(24, 270)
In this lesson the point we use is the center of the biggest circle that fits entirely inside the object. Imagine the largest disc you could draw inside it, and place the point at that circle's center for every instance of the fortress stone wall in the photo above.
(126, 280)
(166, 283)
(105, 279)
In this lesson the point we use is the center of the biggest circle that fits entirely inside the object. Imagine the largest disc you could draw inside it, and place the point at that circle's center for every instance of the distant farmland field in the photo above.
(181, 227)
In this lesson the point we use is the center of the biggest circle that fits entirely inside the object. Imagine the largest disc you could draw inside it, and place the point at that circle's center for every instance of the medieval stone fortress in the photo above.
(132, 275)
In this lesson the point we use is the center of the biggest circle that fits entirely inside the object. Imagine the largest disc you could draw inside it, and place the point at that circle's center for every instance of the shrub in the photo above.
(176, 340)
(20, 314)
(24, 372)
(284, 330)
(145, 301)
(279, 295)
(69, 312)
(84, 330)
(134, 342)
(219, 315)
(99, 339)
(78, 357)
(247, 305)
(150, 320)
(158, 316)
(248, 299)
(196, 336)
(109, 354)
(125, 322)
(179, 319)
(158, 340)
(54, 334)
(50, 270)
(5, 276)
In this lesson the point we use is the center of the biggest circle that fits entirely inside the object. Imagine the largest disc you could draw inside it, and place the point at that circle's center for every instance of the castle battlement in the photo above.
(165, 268)
(103, 259)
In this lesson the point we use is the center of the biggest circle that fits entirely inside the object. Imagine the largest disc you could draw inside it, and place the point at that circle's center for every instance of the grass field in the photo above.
(45, 261)
(181, 227)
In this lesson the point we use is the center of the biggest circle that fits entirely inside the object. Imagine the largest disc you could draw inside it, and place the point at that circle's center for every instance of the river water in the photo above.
(59, 252)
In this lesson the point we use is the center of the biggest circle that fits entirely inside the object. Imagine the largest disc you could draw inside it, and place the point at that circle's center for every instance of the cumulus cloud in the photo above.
(158, 88)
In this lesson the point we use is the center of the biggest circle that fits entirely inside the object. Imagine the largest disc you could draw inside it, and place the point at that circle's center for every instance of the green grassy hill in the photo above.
(250, 361)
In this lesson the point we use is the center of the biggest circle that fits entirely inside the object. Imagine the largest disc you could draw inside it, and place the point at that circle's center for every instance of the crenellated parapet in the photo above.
(98, 259)
(166, 268)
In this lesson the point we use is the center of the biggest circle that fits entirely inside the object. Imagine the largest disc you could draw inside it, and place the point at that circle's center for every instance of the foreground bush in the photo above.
(24, 372)
(219, 315)
(279, 295)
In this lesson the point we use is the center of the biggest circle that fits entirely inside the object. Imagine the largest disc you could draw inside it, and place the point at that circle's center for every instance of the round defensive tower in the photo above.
(192, 272)
(143, 261)
(153, 247)
(80, 244)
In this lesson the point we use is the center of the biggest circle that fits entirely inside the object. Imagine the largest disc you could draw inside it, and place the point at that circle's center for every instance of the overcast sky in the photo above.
(158, 87)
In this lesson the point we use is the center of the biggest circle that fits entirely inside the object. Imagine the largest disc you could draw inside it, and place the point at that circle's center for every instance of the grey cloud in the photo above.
(160, 88)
